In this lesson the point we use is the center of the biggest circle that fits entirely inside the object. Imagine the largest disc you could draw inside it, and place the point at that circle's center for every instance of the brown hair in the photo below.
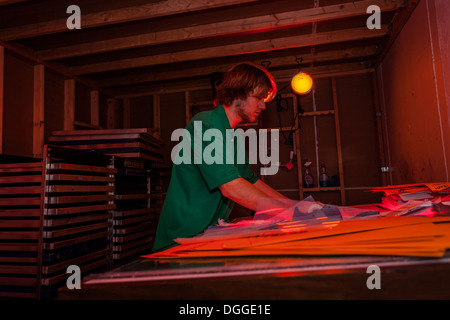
(240, 81)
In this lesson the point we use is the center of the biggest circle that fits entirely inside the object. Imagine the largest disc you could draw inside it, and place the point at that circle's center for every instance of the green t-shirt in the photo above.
(194, 201)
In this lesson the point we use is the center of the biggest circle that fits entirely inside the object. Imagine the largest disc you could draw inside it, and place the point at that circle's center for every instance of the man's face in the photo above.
(250, 108)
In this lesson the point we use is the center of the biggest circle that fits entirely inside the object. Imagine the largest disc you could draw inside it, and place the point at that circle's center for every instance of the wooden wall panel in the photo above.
(413, 122)
(438, 13)
(173, 116)
(18, 106)
(358, 131)
(53, 103)
(141, 112)
(2, 68)
(103, 111)
(82, 103)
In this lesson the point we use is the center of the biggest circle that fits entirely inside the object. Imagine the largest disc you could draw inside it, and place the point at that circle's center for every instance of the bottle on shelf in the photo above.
(324, 179)
(308, 181)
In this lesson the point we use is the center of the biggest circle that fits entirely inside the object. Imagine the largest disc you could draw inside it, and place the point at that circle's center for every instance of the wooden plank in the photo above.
(69, 104)
(132, 144)
(84, 270)
(38, 110)
(126, 113)
(102, 132)
(20, 213)
(71, 220)
(79, 167)
(202, 84)
(6, 2)
(82, 189)
(234, 49)
(2, 84)
(331, 55)
(108, 17)
(18, 269)
(129, 230)
(20, 235)
(131, 196)
(83, 178)
(31, 165)
(73, 231)
(20, 190)
(83, 209)
(134, 236)
(130, 212)
(224, 28)
(110, 113)
(156, 113)
(62, 266)
(37, 168)
(78, 199)
(20, 201)
(20, 179)
(338, 140)
(73, 241)
(95, 107)
(128, 221)
(88, 137)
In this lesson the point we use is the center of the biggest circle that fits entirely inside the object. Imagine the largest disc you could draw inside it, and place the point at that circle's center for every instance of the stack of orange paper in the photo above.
(408, 226)
(399, 236)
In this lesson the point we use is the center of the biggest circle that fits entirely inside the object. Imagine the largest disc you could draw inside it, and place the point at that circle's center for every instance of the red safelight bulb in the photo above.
(302, 83)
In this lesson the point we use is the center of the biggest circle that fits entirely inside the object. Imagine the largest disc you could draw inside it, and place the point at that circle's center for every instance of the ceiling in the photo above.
(133, 47)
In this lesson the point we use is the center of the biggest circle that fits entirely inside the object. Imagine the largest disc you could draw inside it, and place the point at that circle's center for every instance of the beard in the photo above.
(246, 118)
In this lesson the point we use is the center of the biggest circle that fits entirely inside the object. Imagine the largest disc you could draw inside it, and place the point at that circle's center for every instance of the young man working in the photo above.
(200, 194)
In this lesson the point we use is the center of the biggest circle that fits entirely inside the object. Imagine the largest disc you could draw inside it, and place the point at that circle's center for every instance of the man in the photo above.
(200, 194)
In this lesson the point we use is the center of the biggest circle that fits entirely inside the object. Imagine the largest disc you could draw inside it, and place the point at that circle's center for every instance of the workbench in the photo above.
(270, 278)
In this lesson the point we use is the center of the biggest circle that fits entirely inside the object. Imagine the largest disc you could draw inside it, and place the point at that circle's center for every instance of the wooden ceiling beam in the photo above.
(233, 49)
(332, 55)
(5, 2)
(204, 84)
(104, 18)
(265, 22)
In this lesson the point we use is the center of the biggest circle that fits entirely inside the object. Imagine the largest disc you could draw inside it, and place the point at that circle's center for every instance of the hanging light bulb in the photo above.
(302, 83)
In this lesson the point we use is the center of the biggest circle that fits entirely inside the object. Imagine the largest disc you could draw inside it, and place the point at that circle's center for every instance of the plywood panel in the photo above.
(359, 137)
(53, 102)
(82, 103)
(410, 102)
(18, 106)
(173, 116)
(141, 112)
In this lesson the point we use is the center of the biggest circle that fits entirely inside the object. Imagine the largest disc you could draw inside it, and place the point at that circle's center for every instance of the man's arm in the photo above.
(250, 195)
(269, 190)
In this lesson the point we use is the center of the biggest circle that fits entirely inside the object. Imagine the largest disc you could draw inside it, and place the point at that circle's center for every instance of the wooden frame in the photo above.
(55, 229)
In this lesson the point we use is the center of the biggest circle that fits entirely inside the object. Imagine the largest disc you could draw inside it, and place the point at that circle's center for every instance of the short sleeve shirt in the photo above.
(194, 201)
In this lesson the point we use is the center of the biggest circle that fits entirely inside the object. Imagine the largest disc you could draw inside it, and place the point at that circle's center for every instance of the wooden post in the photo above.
(126, 113)
(188, 111)
(338, 140)
(38, 110)
(95, 107)
(297, 147)
(111, 113)
(69, 104)
(376, 99)
(2, 68)
(156, 113)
